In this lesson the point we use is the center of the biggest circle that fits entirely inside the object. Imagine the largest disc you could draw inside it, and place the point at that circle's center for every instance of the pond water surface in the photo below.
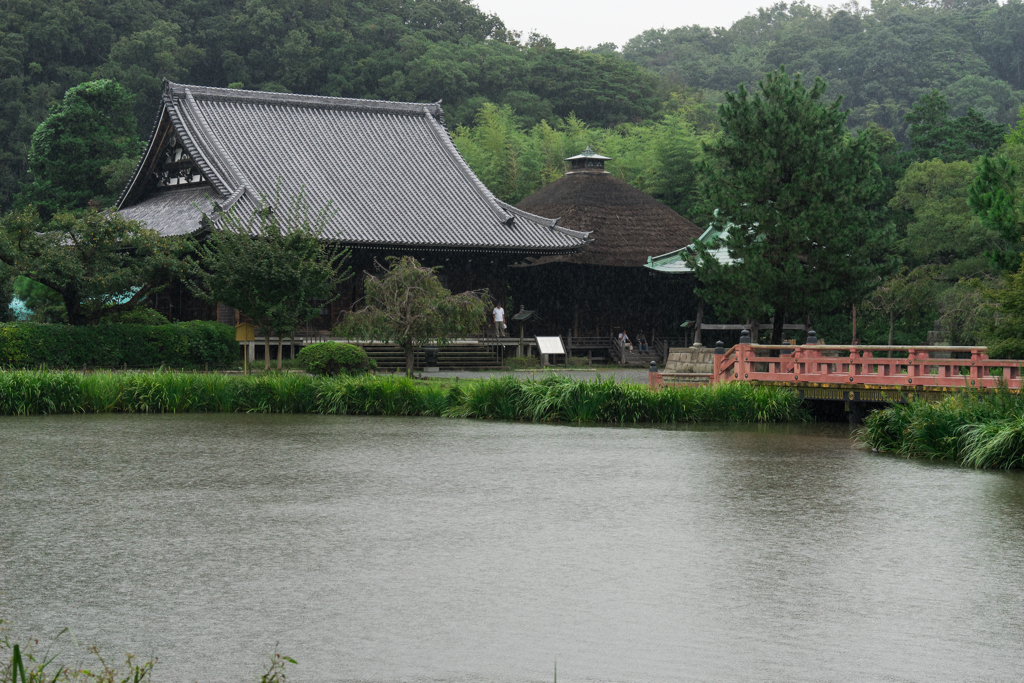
(420, 549)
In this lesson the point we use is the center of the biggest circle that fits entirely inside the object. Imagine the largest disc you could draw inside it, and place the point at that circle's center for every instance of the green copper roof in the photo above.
(675, 261)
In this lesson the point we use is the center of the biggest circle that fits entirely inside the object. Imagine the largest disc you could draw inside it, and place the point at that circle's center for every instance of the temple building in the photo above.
(386, 173)
(607, 287)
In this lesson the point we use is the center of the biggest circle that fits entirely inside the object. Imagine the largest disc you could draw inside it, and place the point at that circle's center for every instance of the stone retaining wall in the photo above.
(691, 359)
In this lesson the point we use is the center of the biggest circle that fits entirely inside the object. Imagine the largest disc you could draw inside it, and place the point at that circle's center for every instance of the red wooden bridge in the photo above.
(859, 375)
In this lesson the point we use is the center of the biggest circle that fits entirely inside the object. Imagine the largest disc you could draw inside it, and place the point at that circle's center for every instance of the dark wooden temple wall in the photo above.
(601, 300)
(177, 303)
(569, 298)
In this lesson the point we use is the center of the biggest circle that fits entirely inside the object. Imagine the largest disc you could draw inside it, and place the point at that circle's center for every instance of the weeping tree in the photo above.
(408, 306)
(271, 265)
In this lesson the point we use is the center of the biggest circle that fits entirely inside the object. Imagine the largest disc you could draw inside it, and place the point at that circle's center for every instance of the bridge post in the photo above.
(653, 376)
(854, 366)
(716, 376)
(811, 365)
(741, 355)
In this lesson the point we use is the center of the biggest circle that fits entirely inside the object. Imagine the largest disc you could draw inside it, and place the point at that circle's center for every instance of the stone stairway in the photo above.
(638, 358)
(453, 357)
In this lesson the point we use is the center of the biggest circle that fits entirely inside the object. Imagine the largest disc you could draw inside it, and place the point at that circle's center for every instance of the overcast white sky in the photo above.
(585, 23)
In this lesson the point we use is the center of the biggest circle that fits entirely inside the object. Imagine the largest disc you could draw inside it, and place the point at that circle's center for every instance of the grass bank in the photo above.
(551, 399)
(982, 430)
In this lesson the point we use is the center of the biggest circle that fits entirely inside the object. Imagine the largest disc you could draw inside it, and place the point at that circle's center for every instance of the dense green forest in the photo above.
(419, 50)
(935, 85)
(880, 59)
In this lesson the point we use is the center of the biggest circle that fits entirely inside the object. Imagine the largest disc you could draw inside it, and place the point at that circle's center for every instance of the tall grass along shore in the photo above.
(974, 429)
(553, 399)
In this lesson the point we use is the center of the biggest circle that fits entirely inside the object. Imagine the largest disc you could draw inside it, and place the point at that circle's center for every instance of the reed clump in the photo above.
(974, 429)
(552, 399)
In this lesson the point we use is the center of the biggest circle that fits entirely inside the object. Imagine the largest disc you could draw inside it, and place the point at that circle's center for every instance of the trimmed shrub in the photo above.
(139, 315)
(194, 344)
(333, 358)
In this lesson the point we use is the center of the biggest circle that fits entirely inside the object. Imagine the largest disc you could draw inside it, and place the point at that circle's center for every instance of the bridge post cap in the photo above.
(653, 368)
(719, 348)
(812, 337)
(745, 337)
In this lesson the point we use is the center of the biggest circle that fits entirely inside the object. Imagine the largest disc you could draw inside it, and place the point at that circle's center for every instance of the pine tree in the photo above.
(800, 198)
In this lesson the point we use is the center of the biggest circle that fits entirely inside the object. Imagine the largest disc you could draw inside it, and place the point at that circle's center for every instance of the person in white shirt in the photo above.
(624, 341)
(499, 321)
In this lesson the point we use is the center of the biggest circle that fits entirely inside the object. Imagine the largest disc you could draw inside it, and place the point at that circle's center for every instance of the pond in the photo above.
(421, 549)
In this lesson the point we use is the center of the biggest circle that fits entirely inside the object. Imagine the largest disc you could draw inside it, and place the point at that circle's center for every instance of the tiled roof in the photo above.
(173, 211)
(387, 172)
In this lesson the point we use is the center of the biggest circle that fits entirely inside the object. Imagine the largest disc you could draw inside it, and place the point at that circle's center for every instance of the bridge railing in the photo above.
(843, 364)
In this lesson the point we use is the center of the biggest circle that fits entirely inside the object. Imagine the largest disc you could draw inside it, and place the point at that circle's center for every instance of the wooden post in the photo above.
(698, 322)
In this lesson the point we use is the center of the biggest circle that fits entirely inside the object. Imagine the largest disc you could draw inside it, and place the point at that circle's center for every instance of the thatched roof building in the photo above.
(607, 287)
(626, 225)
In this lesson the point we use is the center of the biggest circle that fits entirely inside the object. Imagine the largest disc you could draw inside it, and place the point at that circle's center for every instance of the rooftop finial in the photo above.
(587, 161)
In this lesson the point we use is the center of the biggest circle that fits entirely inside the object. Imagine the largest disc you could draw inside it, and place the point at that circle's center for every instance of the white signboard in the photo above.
(550, 345)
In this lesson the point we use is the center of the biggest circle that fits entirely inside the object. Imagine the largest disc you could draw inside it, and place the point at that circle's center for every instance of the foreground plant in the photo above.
(551, 399)
(974, 429)
(22, 665)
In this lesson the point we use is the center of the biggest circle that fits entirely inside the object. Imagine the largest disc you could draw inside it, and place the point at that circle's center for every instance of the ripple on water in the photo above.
(416, 549)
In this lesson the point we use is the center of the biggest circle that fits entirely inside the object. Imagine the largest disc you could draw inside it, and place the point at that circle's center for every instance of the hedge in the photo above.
(194, 344)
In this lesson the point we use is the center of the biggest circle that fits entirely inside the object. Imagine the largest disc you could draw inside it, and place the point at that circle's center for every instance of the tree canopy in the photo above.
(935, 135)
(97, 261)
(75, 149)
(882, 59)
(796, 191)
(273, 266)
